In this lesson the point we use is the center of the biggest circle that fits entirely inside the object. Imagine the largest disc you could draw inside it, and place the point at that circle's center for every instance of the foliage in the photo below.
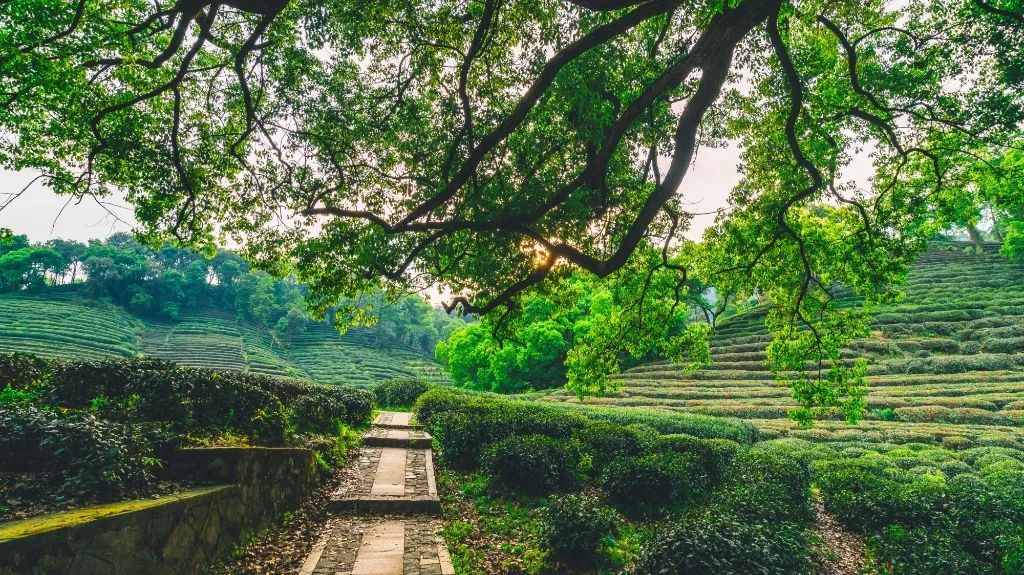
(653, 484)
(940, 366)
(169, 282)
(399, 392)
(576, 527)
(754, 523)
(20, 371)
(522, 140)
(720, 543)
(444, 399)
(317, 413)
(714, 454)
(930, 511)
(533, 464)
(199, 401)
(606, 442)
(576, 331)
(79, 453)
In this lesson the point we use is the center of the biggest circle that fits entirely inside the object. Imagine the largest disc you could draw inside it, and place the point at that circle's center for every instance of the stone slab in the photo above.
(395, 420)
(381, 550)
(396, 505)
(395, 437)
(390, 476)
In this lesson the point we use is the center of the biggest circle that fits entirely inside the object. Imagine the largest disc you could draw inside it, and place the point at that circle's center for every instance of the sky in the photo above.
(42, 215)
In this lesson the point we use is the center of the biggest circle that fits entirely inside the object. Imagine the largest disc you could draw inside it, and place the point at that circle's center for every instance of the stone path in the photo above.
(385, 520)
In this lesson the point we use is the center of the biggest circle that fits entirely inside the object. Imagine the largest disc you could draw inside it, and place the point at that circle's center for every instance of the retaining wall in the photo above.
(180, 534)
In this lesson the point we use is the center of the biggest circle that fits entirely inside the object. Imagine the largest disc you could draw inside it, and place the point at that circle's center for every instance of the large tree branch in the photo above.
(530, 98)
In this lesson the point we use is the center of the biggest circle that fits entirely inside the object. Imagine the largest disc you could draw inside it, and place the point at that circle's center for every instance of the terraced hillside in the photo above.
(62, 325)
(354, 358)
(946, 364)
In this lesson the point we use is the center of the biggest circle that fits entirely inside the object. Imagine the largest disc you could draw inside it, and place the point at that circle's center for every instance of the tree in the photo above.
(579, 329)
(254, 295)
(292, 324)
(483, 145)
(27, 268)
(71, 252)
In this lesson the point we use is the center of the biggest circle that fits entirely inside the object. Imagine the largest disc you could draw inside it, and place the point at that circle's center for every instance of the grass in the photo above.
(945, 365)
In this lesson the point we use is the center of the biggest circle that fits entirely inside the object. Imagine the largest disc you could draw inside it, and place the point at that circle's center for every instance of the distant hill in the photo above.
(946, 364)
(61, 324)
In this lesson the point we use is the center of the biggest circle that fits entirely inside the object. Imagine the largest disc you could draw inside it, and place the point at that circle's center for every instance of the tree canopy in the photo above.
(484, 145)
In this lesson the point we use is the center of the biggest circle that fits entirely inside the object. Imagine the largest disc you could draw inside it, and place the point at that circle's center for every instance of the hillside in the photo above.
(945, 364)
(62, 325)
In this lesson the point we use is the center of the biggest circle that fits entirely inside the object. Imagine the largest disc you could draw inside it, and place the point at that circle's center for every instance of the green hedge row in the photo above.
(189, 401)
(736, 510)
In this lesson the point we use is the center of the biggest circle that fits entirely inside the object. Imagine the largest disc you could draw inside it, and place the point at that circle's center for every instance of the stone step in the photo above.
(380, 546)
(392, 437)
(395, 420)
(390, 480)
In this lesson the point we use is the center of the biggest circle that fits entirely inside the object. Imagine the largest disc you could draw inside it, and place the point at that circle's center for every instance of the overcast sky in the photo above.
(42, 215)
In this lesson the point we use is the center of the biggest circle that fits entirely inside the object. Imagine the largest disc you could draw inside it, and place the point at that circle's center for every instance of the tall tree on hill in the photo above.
(71, 251)
(485, 144)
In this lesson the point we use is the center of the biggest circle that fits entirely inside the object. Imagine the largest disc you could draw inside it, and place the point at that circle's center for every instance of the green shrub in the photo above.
(722, 544)
(82, 454)
(605, 442)
(714, 454)
(444, 399)
(317, 413)
(653, 484)
(923, 552)
(867, 500)
(463, 425)
(767, 486)
(358, 403)
(533, 464)
(201, 401)
(401, 392)
(575, 527)
(22, 371)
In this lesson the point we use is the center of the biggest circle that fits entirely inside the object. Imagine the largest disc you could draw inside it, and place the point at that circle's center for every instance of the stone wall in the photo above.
(180, 534)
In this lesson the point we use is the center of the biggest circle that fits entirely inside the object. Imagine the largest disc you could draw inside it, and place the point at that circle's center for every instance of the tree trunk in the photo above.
(975, 235)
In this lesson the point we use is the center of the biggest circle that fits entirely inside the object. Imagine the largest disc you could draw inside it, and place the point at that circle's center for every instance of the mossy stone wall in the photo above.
(179, 534)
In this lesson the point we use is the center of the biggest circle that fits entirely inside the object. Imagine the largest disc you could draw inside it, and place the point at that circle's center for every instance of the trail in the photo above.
(385, 520)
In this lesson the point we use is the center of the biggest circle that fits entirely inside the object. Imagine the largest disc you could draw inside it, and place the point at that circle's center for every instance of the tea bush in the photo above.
(317, 413)
(195, 401)
(78, 454)
(715, 454)
(754, 522)
(715, 542)
(652, 484)
(401, 392)
(606, 442)
(574, 527)
(533, 464)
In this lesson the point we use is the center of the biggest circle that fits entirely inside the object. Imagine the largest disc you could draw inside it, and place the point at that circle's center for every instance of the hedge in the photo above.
(196, 401)
(401, 392)
(77, 454)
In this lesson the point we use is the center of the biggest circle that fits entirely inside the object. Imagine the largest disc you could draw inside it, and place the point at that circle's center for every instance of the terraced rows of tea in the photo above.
(62, 325)
(58, 326)
(946, 364)
(354, 358)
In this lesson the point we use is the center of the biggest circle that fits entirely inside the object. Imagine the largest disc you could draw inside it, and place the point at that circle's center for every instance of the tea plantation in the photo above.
(62, 324)
(945, 364)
